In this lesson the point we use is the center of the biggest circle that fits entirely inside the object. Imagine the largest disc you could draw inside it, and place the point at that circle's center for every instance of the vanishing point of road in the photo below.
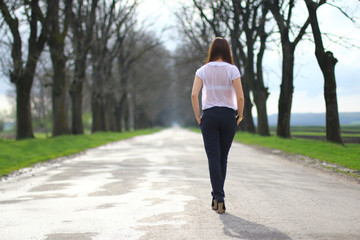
(157, 187)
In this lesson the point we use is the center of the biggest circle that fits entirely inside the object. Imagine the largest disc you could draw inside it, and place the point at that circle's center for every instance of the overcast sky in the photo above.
(309, 83)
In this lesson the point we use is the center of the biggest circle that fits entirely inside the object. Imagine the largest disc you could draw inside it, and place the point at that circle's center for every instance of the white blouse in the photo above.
(218, 90)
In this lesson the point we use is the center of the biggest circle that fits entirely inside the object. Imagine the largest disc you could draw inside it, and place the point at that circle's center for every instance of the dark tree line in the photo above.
(96, 48)
(248, 24)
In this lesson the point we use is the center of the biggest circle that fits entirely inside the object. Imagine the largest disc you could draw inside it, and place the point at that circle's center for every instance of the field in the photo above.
(349, 134)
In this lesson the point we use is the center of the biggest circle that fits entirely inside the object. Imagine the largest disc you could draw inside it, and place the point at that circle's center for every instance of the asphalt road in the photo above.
(157, 187)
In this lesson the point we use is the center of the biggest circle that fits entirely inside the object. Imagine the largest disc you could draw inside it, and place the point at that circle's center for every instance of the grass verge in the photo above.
(15, 155)
(347, 155)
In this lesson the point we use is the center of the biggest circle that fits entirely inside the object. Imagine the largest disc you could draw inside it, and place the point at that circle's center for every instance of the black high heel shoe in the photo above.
(221, 207)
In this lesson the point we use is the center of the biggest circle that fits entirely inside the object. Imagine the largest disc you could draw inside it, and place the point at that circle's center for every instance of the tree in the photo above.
(249, 18)
(283, 20)
(108, 35)
(327, 63)
(133, 48)
(22, 73)
(241, 60)
(82, 26)
(41, 92)
(56, 43)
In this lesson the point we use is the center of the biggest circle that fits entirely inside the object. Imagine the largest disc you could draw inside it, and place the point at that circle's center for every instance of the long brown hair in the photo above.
(220, 48)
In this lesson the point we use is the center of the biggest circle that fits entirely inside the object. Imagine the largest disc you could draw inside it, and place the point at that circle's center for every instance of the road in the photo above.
(157, 187)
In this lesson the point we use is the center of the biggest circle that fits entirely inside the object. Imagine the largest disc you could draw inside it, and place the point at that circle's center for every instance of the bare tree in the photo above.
(58, 31)
(284, 19)
(248, 18)
(22, 73)
(327, 63)
(134, 46)
(82, 22)
(232, 15)
(108, 37)
(150, 92)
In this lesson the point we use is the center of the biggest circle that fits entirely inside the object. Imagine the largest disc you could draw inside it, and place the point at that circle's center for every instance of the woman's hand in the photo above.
(199, 120)
(239, 119)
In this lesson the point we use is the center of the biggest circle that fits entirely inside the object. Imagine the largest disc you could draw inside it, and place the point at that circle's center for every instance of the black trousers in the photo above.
(218, 126)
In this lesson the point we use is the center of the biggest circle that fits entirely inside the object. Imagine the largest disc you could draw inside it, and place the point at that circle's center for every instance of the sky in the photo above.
(308, 80)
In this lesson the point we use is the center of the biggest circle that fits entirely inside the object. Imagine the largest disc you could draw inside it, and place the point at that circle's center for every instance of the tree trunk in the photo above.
(327, 63)
(81, 42)
(24, 127)
(120, 112)
(288, 49)
(261, 92)
(118, 124)
(127, 116)
(260, 100)
(286, 92)
(76, 107)
(76, 93)
(59, 88)
(98, 112)
(248, 123)
(333, 129)
(59, 92)
(110, 112)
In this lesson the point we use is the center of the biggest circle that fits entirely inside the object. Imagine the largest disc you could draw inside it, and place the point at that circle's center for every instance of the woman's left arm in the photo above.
(240, 98)
(195, 97)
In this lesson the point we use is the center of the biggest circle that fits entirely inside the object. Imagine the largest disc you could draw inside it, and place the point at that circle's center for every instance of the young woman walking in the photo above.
(222, 106)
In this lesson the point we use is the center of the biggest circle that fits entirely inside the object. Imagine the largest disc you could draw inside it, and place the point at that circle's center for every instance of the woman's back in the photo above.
(218, 90)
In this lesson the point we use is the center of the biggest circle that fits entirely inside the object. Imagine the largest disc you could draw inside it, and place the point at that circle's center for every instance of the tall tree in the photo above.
(109, 30)
(236, 29)
(250, 18)
(58, 32)
(150, 94)
(283, 19)
(134, 45)
(82, 22)
(327, 63)
(22, 73)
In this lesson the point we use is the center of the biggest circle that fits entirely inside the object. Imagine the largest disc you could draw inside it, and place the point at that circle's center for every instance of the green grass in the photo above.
(347, 155)
(323, 134)
(25, 153)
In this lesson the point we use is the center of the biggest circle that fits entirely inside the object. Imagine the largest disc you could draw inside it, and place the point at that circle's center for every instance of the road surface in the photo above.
(157, 187)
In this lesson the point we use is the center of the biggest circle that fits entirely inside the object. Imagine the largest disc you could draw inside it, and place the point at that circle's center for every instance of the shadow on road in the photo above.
(236, 227)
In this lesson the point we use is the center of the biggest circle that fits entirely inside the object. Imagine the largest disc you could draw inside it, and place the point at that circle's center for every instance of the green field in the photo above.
(346, 131)
(25, 153)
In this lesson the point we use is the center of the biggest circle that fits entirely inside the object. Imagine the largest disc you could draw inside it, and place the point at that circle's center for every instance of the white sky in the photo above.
(308, 93)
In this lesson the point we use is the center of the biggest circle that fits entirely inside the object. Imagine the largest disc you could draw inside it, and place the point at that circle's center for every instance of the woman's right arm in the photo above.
(240, 98)
(195, 97)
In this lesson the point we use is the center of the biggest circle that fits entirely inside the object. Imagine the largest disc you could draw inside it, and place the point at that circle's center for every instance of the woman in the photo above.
(222, 96)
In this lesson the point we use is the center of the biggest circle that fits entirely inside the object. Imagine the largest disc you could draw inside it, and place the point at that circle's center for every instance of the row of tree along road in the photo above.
(104, 61)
